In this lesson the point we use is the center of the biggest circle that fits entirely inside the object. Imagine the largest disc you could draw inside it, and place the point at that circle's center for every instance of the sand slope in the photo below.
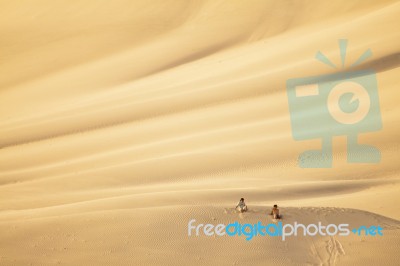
(121, 121)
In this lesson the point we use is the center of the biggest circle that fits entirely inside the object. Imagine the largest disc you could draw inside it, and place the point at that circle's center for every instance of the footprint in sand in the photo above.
(334, 249)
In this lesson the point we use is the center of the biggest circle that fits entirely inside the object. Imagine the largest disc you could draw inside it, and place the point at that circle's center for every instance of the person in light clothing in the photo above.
(242, 207)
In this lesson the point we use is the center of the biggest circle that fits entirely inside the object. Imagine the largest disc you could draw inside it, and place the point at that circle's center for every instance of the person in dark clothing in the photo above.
(275, 212)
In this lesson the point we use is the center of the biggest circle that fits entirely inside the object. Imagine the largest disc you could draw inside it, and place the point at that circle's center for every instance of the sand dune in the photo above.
(52, 240)
(121, 121)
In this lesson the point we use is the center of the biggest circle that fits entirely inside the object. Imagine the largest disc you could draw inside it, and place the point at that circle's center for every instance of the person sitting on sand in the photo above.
(242, 207)
(275, 212)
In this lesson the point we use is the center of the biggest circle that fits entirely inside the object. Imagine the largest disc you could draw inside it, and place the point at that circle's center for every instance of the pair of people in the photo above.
(242, 207)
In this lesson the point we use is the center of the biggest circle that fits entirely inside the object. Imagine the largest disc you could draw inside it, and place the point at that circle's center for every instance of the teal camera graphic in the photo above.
(340, 104)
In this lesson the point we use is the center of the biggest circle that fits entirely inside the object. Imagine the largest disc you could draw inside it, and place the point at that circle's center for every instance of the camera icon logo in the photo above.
(344, 103)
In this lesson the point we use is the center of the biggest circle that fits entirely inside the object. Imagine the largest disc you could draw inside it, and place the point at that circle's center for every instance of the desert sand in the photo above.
(120, 121)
